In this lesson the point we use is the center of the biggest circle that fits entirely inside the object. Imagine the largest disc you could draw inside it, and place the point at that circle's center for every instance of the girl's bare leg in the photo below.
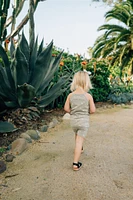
(78, 147)
(75, 142)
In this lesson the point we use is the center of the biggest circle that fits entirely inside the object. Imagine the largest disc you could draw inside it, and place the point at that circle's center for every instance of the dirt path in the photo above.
(45, 169)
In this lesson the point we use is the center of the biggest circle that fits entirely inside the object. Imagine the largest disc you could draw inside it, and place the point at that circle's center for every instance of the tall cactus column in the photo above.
(4, 6)
(31, 24)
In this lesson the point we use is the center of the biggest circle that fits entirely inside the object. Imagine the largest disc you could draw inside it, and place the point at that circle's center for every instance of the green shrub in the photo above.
(100, 80)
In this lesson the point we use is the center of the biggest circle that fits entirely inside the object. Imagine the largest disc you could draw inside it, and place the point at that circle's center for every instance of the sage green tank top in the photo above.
(79, 105)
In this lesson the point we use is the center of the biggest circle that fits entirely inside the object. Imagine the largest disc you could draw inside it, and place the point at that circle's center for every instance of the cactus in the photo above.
(4, 6)
(6, 22)
(31, 24)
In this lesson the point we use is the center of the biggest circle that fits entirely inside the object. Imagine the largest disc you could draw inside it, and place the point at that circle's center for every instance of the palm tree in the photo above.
(109, 2)
(117, 41)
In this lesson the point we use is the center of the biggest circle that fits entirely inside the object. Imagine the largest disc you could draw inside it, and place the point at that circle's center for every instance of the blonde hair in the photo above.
(81, 79)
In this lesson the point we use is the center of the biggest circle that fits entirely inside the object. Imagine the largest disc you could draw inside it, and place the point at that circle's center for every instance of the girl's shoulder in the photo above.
(88, 96)
(74, 93)
(70, 94)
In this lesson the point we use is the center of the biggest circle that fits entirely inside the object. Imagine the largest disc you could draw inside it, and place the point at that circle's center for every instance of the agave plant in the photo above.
(26, 74)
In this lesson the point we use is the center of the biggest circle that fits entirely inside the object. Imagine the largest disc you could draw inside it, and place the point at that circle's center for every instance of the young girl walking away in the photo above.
(79, 104)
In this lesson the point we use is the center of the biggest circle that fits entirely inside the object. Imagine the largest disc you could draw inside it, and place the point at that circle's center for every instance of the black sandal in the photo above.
(78, 166)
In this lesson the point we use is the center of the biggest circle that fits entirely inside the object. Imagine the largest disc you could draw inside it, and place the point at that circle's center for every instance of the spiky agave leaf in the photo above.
(32, 60)
(6, 127)
(56, 90)
(6, 91)
(22, 63)
(24, 48)
(53, 67)
(40, 49)
(41, 66)
(6, 62)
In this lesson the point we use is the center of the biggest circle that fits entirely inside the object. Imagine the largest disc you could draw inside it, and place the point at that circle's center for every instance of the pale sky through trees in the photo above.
(72, 24)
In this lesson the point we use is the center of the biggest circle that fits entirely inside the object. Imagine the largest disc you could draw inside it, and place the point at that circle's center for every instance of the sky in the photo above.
(71, 24)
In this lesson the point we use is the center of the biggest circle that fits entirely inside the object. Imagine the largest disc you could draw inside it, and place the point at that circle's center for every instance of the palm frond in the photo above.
(113, 28)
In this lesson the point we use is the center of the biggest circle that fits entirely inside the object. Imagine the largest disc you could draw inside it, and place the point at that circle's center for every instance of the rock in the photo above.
(44, 128)
(26, 137)
(66, 116)
(53, 123)
(18, 146)
(2, 166)
(118, 105)
(34, 134)
(9, 157)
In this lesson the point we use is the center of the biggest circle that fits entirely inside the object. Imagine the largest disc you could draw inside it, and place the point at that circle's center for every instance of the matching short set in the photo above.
(79, 114)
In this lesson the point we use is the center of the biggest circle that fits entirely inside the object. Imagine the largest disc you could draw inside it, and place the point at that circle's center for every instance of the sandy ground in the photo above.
(44, 171)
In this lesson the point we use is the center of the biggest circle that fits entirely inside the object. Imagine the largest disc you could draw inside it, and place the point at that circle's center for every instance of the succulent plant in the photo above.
(26, 74)
(6, 127)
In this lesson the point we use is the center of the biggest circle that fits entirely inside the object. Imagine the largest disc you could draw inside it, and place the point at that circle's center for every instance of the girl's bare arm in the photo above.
(67, 104)
(92, 105)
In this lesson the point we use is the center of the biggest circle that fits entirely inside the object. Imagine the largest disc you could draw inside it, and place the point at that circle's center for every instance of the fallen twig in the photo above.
(16, 189)
(9, 176)
(42, 142)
